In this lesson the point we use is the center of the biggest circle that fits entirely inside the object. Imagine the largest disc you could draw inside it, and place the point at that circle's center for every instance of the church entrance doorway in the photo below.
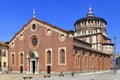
(33, 66)
(32, 62)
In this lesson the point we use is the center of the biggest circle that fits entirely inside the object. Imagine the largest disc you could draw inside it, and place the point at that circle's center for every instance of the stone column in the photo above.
(31, 67)
(28, 66)
(36, 66)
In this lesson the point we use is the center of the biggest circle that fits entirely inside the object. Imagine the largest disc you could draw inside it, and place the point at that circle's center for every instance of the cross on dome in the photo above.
(90, 13)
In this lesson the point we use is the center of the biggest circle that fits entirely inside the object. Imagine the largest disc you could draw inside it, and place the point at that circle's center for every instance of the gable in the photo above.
(37, 22)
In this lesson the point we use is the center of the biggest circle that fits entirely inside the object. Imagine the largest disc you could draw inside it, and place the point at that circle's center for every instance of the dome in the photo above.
(90, 17)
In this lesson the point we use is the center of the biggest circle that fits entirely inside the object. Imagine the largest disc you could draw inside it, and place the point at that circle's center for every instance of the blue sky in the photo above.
(62, 13)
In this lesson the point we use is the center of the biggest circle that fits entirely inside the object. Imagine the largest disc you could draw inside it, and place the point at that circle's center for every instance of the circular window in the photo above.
(21, 36)
(48, 32)
(62, 37)
(33, 26)
(12, 45)
(34, 41)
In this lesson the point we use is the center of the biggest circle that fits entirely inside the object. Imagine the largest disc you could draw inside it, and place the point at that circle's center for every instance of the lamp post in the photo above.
(94, 63)
(114, 64)
(118, 61)
(0, 56)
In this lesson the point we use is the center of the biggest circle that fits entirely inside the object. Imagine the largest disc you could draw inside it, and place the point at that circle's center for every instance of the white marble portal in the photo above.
(32, 65)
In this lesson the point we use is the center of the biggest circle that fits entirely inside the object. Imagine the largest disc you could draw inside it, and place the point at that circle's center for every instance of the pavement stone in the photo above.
(103, 75)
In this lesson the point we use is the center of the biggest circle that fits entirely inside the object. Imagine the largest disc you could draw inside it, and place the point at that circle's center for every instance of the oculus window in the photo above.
(33, 27)
(34, 41)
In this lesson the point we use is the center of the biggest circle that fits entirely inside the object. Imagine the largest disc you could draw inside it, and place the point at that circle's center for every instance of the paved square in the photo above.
(81, 76)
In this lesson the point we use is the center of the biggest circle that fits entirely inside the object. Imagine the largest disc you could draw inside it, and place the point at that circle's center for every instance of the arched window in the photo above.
(4, 53)
(49, 57)
(62, 56)
(78, 60)
(21, 58)
(86, 61)
(92, 62)
(13, 59)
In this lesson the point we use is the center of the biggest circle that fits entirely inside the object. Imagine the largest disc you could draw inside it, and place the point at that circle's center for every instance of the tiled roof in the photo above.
(2, 43)
(76, 44)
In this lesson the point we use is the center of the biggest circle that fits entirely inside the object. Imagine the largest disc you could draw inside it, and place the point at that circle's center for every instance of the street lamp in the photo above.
(114, 64)
(118, 61)
(94, 64)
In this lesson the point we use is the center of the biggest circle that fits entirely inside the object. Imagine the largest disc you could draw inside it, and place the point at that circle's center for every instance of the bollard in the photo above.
(7, 72)
(61, 74)
(48, 75)
(44, 76)
(72, 74)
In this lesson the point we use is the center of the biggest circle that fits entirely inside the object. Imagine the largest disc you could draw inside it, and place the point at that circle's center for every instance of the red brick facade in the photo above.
(45, 41)
(52, 50)
(40, 47)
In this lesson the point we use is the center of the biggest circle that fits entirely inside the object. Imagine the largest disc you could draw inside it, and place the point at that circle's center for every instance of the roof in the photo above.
(108, 44)
(90, 18)
(106, 37)
(82, 42)
(79, 45)
(2, 43)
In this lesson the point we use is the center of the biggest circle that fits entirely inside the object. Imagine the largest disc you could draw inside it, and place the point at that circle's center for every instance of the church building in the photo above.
(40, 47)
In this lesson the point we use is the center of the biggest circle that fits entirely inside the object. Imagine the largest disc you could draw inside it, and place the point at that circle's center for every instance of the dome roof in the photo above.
(90, 16)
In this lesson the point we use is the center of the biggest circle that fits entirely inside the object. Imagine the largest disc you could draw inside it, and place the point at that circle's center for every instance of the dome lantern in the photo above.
(90, 13)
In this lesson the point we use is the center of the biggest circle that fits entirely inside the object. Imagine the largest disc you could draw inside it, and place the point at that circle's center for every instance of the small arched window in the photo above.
(4, 53)
(13, 59)
(62, 56)
(49, 57)
(86, 60)
(21, 58)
